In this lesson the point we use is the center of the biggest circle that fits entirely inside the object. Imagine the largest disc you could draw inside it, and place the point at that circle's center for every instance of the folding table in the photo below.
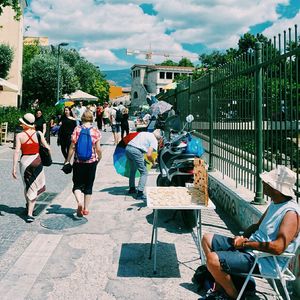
(176, 198)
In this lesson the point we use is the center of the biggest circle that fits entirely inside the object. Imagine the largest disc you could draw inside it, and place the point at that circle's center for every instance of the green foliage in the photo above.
(185, 62)
(10, 115)
(198, 73)
(15, 6)
(168, 62)
(30, 51)
(40, 79)
(6, 59)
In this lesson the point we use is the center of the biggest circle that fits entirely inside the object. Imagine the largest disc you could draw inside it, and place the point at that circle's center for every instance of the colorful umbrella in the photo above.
(121, 162)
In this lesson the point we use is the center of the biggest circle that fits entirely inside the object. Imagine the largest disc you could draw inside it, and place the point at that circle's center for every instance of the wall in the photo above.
(11, 33)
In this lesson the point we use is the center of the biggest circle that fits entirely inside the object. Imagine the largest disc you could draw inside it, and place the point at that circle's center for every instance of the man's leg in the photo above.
(214, 266)
(133, 169)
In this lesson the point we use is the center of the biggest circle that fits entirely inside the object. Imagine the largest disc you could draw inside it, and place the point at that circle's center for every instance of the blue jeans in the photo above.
(136, 161)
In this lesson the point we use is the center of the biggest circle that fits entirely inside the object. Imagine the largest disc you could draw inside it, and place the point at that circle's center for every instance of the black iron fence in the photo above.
(249, 108)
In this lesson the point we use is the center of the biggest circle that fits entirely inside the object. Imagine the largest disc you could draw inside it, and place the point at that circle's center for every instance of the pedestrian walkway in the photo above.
(105, 255)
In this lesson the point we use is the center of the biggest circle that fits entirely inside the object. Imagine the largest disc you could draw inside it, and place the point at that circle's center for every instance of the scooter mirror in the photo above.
(190, 118)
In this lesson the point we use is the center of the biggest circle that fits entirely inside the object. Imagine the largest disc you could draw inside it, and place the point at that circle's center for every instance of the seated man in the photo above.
(276, 232)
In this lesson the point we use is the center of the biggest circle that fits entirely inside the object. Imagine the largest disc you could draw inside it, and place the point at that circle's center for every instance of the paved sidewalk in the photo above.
(105, 255)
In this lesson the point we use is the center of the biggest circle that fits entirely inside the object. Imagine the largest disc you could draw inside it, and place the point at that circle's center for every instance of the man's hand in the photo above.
(238, 242)
(14, 173)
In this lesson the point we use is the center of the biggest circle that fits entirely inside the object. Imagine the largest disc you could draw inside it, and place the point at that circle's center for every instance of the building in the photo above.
(119, 94)
(11, 33)
(150, 79)
(33, 40)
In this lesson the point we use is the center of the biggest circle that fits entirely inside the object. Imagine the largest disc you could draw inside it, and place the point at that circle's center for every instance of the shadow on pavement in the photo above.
(171, 220)
(116, 190)
(134, 261)
(18, 211)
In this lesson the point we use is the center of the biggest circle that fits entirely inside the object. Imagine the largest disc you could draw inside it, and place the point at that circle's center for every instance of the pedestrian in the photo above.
(276, 232)
(67, 125)
(106, 115)
(115, 123)
(144, 142)
(31, 167)
(99, 116)
(40, 123)
(84, 171)
(54, 124)
(124, 122)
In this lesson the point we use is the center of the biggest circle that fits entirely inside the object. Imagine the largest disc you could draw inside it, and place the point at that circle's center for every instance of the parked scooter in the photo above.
(176, 164)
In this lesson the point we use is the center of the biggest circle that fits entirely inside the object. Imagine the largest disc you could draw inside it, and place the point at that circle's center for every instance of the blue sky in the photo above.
(102, 30)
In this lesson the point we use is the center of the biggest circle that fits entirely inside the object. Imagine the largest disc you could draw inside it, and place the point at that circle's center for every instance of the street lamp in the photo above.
(58, 68)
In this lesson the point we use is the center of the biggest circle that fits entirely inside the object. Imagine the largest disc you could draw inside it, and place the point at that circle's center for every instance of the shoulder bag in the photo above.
(44, 153)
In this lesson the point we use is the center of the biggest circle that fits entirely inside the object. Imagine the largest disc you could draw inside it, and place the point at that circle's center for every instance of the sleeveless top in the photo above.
(30, 148)
(268, 231)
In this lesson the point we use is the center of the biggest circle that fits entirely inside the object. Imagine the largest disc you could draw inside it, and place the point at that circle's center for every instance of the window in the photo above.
(135, 95)
(161, 75)
(169, 75)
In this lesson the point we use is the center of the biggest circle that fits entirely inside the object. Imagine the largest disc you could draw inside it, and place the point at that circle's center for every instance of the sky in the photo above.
(102, 30)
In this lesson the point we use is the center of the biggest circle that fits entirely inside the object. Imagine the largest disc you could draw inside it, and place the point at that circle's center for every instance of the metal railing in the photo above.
(249, 108)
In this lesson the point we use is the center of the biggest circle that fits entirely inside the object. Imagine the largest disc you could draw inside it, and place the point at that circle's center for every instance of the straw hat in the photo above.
(28, 120)
(281, 179)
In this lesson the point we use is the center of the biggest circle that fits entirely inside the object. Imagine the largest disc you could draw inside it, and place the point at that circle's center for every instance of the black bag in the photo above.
(202, 278)
(119, 116)
(44, 153)
(67, 168)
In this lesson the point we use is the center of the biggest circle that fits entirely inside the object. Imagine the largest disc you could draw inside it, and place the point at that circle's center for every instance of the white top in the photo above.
(144, 140)
(81, 110)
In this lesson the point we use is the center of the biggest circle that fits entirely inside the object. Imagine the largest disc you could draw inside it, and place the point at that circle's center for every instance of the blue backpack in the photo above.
(84, 145)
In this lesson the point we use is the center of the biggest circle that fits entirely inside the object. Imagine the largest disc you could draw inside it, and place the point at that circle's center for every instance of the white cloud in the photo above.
(100, 27)
(102, 57)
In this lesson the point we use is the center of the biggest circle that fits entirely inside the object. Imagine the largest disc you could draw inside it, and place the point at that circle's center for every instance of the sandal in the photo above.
(79, 211)
(85, 212)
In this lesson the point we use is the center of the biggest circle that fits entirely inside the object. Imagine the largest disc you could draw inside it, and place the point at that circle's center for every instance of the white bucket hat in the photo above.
(28, 120)
(281, 179)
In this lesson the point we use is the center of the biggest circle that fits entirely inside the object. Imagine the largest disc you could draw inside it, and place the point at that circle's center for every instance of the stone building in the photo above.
(147, 80)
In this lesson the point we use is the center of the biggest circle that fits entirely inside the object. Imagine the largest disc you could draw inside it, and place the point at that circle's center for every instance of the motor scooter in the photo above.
(176, 165)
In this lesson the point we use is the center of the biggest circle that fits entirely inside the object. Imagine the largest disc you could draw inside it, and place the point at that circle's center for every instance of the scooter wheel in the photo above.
(161, 181)
(189, 218)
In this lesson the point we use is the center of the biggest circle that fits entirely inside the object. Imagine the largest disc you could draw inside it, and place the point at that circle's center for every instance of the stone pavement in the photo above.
(102, 256)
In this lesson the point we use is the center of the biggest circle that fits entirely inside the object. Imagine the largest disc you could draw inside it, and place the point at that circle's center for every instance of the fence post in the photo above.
(258, 199)
(190, 102)
(211, 121)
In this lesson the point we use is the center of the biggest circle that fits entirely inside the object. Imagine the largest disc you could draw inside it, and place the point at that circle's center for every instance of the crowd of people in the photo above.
(67, 126)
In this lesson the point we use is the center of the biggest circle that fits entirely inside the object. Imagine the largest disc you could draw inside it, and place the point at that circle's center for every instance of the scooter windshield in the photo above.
(173, 123)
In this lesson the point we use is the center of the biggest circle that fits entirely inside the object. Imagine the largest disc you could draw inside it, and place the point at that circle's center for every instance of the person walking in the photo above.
(105, 116)
(84, 170)
(124, 122)
(31, 167)
(40, 123)
(99, 116)
(276, 232)
(67, 125)
(144, 142)
(115, 123)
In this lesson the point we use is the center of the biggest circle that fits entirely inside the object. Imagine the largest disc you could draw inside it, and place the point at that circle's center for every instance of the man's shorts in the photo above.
(115, 127)
(231, 260)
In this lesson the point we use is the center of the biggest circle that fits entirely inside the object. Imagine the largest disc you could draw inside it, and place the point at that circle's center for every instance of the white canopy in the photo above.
(6, 86)
(80, 95)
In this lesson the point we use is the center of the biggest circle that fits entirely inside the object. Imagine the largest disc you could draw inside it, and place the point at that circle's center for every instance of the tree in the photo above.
(168, 62)
(15, 6)
(213, 60)
(40, 79)
(185, 62)
(30, 51)
(6, 59)
(248, 40)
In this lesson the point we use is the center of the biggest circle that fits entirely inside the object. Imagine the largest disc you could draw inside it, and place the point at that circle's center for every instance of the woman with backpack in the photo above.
(87, 153)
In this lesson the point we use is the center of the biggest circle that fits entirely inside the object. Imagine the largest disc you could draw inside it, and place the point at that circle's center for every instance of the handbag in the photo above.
(67, 168)
(44, 153)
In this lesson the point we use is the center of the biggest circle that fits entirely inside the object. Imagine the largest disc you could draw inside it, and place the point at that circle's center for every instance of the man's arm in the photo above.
(149, 155)
(288, 230)
(98, 150)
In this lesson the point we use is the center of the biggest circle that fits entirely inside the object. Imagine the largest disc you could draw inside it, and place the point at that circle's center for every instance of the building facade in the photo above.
(147, 80)
(11, 33)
